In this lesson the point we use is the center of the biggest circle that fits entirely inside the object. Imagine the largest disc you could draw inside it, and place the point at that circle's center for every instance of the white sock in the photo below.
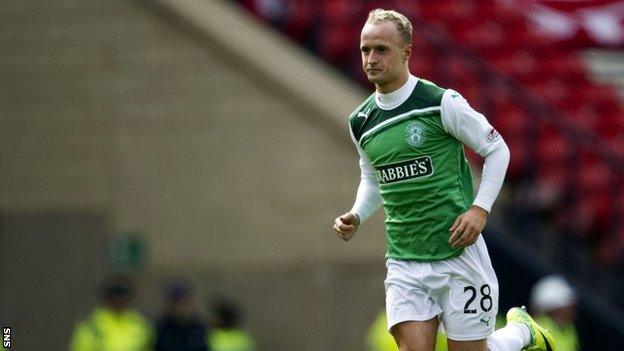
(513, 337)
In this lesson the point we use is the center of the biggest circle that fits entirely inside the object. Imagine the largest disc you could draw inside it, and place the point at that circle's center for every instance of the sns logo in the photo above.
(415, 134)
(6, 337)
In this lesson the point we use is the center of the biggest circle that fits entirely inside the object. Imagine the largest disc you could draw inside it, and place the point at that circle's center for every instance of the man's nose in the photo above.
(372, 59)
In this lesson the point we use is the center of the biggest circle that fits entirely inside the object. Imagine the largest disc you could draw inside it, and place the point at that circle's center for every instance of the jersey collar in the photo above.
(394, 99)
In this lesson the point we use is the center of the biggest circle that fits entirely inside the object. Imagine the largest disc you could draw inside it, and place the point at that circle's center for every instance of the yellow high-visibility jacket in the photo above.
(107, 330)
(230, 340)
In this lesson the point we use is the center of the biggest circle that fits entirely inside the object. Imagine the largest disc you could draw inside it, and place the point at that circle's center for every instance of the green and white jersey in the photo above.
(412, 159)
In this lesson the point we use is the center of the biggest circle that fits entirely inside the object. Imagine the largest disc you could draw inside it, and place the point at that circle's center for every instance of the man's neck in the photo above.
(393, 85)
(395, 98)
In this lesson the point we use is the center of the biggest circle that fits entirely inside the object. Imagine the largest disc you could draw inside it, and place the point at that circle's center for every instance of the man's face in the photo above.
(383, 52)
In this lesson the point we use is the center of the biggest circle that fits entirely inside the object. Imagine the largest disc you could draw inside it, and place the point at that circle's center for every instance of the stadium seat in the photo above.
(300, 20)
(339, 11)
(337, 44)
(553, 151)
(517, 64)
(511, 121)
(520, 161)
(479, 35)
(422, 65)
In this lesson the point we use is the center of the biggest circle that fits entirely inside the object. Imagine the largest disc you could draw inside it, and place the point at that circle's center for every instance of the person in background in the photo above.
(114, 326)
(553, 301)
(228, 334)
(180, 328)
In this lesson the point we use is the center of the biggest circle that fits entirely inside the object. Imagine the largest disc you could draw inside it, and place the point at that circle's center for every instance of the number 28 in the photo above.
(486, 300)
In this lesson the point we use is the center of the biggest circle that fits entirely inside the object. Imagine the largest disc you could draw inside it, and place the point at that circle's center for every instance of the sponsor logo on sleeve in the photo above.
(492, 136)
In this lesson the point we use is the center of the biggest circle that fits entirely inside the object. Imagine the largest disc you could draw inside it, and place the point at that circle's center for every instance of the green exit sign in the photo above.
(128, 251)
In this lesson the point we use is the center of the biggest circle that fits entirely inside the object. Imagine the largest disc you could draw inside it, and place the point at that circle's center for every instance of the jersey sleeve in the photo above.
(368, 198)
(472, 129)
(467, 125)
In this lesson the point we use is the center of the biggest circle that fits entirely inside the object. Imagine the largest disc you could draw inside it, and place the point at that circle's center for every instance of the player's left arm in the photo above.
(473, 130)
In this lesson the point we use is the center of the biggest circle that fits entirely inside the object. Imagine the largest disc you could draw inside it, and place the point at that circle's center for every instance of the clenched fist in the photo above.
(346, 225)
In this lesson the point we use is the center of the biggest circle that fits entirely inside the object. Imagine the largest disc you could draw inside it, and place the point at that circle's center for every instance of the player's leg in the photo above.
(416, 335)
(468, 294)
(515, 336)
(472, 345)
(412, 313)
(509, 338)
(471, 305)
(520, 333)
(537, 338)
(512, 337)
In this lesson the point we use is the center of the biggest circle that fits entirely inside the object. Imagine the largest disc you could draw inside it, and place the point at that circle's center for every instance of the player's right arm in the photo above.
(367, 200)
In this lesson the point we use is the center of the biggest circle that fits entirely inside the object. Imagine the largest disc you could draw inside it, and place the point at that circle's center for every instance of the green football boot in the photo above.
(541, 339)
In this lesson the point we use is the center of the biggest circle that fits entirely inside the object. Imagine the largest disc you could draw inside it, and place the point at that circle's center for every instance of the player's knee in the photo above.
(416, 335)
(411, 342)
(414, 346)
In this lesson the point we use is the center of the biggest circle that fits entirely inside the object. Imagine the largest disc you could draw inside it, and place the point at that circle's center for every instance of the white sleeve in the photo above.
(368, 198)
(472, 129)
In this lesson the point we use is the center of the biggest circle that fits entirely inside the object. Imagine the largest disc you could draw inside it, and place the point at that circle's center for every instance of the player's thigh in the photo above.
(406, 300)
(471, 304)
(473, 345)
(416, 335)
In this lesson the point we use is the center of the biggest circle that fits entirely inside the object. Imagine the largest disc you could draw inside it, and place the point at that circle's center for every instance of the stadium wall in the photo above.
(227, 148)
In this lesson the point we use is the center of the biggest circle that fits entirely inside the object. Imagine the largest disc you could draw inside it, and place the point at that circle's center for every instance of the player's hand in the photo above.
(467, 227)
(346, 225)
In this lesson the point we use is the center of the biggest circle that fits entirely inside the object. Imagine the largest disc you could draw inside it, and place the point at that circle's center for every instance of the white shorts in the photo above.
(461, 291)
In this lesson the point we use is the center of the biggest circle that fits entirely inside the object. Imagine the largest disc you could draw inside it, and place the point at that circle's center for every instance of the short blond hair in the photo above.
(402, 24)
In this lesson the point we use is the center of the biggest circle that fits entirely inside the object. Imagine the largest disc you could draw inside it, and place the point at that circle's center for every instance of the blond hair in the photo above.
(402, 24)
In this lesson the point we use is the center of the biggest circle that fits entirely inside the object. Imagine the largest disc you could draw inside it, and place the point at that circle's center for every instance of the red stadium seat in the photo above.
(584, 117)
(552, 91)
(340, 11)
(447, 11)
(611, 123)
(511, 121)
(338, 43)
(479, 35)
(422, 66)
(520, 160)
(565, 65)
(552, 151)
(299, 23)
(518, 64)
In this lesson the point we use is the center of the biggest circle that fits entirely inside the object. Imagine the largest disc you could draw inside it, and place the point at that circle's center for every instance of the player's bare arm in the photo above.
(346, 225)
(467, 227)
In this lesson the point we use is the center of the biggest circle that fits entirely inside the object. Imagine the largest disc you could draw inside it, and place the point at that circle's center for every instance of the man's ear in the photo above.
(407, 52)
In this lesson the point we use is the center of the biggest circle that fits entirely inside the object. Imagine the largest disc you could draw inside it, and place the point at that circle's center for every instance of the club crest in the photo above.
(415, 134)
